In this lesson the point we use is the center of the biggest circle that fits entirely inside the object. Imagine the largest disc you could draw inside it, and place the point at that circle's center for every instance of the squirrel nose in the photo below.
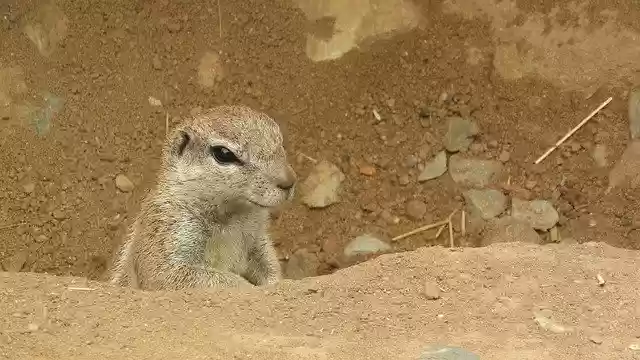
(288, 180)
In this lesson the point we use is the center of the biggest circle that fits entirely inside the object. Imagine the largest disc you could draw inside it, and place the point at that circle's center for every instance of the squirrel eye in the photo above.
(223, 155)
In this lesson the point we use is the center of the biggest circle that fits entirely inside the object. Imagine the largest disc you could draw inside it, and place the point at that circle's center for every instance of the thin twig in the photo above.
(308, 157)
(80, 288)
(220, 19)
(440, 231)
(11, 226)
(576, 128)
(451, 244)
(463, 223)
(426, 227)
(420, 229)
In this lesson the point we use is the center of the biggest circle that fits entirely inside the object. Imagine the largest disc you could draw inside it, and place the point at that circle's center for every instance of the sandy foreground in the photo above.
(507, 301)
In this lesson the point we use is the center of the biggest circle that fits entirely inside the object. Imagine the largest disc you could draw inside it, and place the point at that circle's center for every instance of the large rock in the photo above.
(434, 168)
(626, 171)
(322, 187)
(509, 229)
(540, 214)
(460, 133)
(487, 203)
(365, 245)
(475, 173)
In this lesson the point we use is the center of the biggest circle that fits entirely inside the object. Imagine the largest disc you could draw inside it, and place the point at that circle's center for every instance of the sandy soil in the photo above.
(89, 88)
(377, 309)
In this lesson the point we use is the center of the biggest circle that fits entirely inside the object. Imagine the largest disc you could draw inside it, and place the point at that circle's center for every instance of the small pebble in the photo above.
(123, 183)
(411, 161)
(416, 209)
(33, 327)
(367, 170)
(29, 188)
(504, 156)
(439, 352)
(431, 290)
(547, 324)
(595, 339)
(403, 179)
(530, 184)
(157, 65)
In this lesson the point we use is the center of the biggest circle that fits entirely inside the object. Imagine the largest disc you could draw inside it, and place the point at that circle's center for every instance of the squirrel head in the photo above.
(231, 155)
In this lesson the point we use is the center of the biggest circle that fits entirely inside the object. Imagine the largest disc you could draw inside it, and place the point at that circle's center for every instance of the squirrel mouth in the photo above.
(260, 205)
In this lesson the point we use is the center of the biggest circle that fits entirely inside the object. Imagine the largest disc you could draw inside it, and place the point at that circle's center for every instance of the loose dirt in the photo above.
(487, 302)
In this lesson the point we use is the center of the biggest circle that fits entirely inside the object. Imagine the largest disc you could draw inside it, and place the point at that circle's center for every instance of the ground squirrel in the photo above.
(205, 224)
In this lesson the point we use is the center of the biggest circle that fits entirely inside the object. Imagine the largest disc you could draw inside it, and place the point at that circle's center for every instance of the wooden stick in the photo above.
(440, 231)
(420, 229)
(463, 223)
(451, 244)
(308, 157)
(220, 19)
(426, 227)
(576, 128)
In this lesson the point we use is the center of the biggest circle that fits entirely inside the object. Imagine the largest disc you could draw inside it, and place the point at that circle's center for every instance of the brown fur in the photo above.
(205, 224)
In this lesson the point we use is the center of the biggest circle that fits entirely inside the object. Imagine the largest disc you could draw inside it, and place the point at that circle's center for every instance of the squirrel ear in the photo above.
(179, 142)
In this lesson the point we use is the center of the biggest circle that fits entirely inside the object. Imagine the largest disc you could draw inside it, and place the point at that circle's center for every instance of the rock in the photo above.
(123, 183)
(367, 170)
(59, 215)
(486, 203)
(415, 209)
(554, 234)
(441, 352)
(431, 290)
(475, 173)
(504, 156)
(16, 262)
(626, 171)
(634, 113)
(47, 28)
(321, 188)
(530, 184)
(474, 223)
(411, 161)
(595, 339)
(550, 325)
(154, 101)
(460, 134)
(302, 263)
(599, 155)
(403, 179)
(210, 70)
(33, 327)
(434, 168)
(29, 188)
(157, 64)
(539, 213)
(509, 229)
(364, 245)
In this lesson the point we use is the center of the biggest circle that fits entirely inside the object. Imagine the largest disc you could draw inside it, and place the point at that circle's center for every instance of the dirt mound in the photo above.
(508, 301)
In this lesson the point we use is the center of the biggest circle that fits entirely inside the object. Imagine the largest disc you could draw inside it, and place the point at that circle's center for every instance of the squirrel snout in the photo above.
(287, 181)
